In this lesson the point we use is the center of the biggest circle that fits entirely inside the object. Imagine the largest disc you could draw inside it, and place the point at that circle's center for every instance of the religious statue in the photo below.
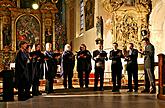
(130, 2)
(48, 36)
(99, 27)
(6, 57)
(6, 35)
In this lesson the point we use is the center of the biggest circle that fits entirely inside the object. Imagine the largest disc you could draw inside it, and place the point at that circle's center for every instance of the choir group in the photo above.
(32, 64)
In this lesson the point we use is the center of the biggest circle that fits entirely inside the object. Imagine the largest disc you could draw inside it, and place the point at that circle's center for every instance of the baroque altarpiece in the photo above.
(34, 26)
(129, 19)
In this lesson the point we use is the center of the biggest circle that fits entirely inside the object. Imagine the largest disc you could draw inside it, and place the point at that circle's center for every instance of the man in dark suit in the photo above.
(116, 67)
(132, 67)
(99, 57)
(149, 66)
(84, 65)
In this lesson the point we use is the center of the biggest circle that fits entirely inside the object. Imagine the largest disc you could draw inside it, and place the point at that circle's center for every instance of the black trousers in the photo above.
(132, 72)
(49, 85)
(68, 75)
(81, 80)
(35, 86)
(99, 72)
(23, 89)
(116, 76)
(149, 78)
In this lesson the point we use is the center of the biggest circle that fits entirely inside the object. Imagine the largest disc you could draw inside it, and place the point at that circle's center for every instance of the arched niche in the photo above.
(157, 27)
(28, 28)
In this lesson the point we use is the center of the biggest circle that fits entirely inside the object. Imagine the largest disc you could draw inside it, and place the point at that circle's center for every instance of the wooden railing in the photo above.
(161, 64)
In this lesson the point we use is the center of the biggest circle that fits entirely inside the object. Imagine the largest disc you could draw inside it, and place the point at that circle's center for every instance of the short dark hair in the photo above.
(22, 43)
(146, 39)
(131, 44)
(115, 43)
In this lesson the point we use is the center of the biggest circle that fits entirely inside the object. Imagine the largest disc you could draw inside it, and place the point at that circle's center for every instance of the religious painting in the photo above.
(89, 14)
(27, 29)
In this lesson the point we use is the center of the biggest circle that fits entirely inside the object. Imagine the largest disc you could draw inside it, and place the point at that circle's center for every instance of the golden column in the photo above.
(43, 29)
(54, 32)
(13, 34)
(1, 39)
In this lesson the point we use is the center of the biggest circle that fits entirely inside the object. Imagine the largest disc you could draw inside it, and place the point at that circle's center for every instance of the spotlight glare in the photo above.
(35, 6)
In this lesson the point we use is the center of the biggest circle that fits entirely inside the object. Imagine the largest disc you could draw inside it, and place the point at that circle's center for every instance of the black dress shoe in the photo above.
(152, 91)
(113, 90)
(129, 91)
(35, 94)
(86, 86)
(95, 89)
(39, 93)
(145, 91)
(71, 87)
(135, 91)
(101, 89)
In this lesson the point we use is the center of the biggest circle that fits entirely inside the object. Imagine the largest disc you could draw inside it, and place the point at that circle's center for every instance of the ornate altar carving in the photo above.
(18, 24)
(26, 24)
(129, 18)
(126, 29)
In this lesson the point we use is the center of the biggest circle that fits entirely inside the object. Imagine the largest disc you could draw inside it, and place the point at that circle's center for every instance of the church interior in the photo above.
(74, 22)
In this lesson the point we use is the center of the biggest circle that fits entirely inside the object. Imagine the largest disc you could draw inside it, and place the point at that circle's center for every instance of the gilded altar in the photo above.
(129, 18)
(18, 24)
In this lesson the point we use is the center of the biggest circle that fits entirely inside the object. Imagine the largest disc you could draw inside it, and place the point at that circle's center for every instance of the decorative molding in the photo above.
(49, 6)
(114, 5)
(70, 3)
(7, 3)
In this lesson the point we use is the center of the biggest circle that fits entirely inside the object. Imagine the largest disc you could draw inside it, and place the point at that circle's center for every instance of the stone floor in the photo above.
(88, 99)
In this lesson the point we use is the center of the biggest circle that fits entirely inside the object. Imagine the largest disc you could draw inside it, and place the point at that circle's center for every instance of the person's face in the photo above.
(100, 46)
(115, 46)
(38, 47)
(145, 43)
(24, 46)
(50, 46)
(69, 48)
(29, 49)
(82, 48)
(130, 46)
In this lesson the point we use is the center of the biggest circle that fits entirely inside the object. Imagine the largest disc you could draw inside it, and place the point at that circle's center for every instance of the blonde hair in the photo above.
(67, 47)
(33, 48)
(48, 46)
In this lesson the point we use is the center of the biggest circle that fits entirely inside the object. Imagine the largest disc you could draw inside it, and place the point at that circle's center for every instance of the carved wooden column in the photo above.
(1, 35)
(54, 32)
(13, 34)
(161, 64)
(43, 30)
(18, 3)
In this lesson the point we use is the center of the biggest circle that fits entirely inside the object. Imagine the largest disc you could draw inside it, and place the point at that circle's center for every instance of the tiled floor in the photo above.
(88, 99)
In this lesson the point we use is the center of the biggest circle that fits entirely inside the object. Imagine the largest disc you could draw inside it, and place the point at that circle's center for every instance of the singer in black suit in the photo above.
(84, 65)
(99, 57)
(132, 67)
(116, 67)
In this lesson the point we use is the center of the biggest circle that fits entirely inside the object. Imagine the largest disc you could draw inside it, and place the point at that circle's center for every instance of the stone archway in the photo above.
(157, 28)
